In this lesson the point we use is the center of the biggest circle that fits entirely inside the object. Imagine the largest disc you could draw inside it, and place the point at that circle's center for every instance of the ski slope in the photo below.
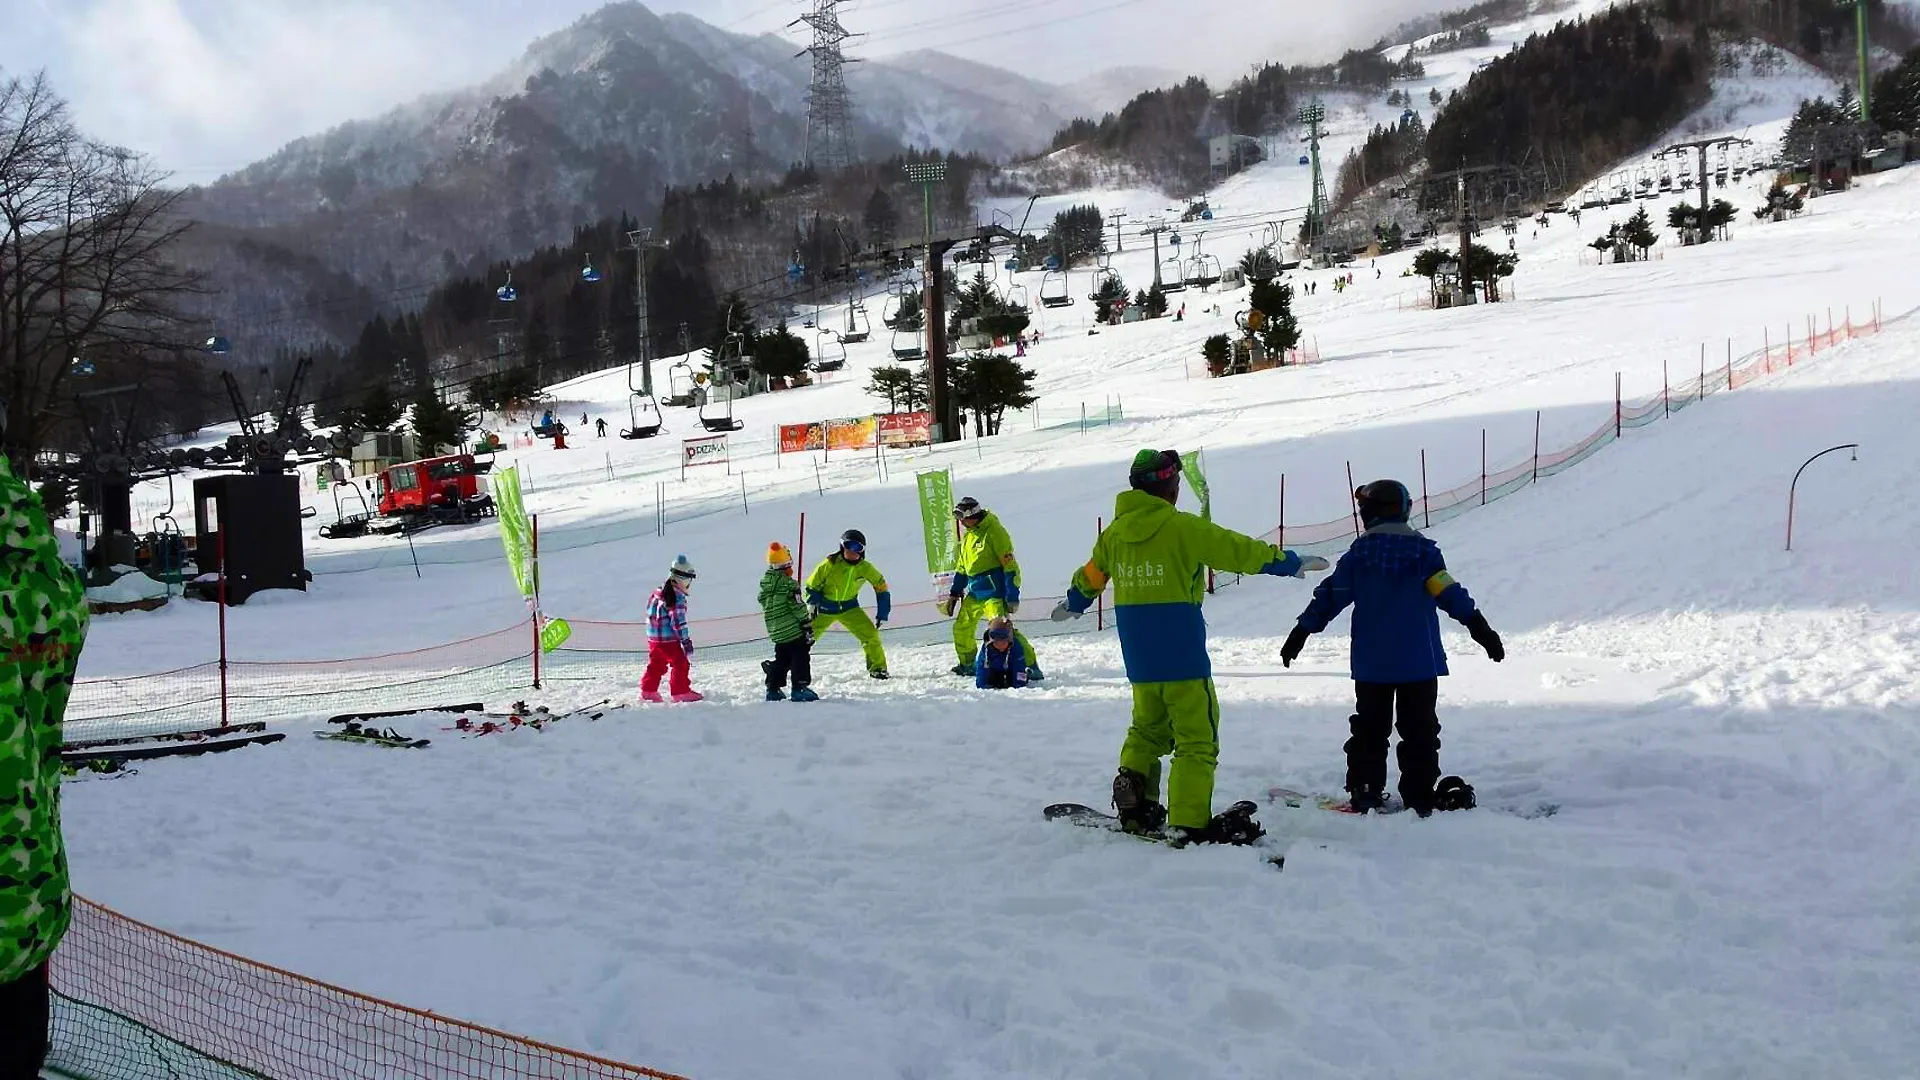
(864, 887)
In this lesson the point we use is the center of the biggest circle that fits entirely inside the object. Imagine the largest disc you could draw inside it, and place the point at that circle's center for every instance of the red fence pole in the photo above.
(1789, 351)
(1536, 446)
(1426, 508)
(534, 521)
(1356, 504)
(1666, 395)
(1283, 511)
(1483, 466)
(220, 554)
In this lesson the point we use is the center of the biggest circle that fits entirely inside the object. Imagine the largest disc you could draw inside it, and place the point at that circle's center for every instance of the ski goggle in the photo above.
(999, 634)
(852, 547)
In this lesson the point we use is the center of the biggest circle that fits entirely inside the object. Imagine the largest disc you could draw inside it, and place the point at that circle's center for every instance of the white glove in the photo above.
(1061, 612)
(1311, 564)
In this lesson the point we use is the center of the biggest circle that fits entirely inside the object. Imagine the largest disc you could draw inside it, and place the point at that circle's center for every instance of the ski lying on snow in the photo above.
(1088, 817)
(343, 718)
(167, 736)
(535, 718)
(168, 749)
(372, 736)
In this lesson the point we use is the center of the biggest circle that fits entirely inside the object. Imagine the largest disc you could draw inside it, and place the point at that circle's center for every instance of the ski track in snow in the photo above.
(864, 886)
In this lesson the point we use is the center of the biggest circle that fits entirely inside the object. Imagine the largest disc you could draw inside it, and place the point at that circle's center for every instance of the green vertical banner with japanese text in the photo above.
(515, 532)
(936, 520)
(1190, 467)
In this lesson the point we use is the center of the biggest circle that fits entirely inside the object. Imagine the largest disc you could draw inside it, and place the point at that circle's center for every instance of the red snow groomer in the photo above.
(446, 490)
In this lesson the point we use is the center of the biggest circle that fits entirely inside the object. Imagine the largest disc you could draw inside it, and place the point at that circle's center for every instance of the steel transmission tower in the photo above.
(829, 110)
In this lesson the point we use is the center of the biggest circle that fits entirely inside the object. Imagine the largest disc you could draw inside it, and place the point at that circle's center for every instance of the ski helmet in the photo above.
(968, 507)
(1155, 471)
(1383, 501)
(854, 538)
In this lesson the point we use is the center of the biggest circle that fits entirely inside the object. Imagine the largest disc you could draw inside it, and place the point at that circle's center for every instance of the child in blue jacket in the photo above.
(1002, 662)
(1397, 583)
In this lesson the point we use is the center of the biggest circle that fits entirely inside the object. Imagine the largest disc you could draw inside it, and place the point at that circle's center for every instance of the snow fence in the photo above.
(503, 664)
(132, 1002)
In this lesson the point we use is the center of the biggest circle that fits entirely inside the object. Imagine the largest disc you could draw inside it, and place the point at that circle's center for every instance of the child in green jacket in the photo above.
(790, 627)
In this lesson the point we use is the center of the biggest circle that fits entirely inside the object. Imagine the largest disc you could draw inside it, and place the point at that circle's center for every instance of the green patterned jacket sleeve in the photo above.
(43, 619)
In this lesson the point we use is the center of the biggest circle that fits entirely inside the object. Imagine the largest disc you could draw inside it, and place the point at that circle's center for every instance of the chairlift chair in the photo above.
(637, 397)
(588, 274)
(1017, 297)
(912, 349)
(856, 333)
(1172, 279)
(724, 422)
(1054, 292)
(506, 293)
(729, 356)
(829, 352)
(1104, 283)
(680, 384)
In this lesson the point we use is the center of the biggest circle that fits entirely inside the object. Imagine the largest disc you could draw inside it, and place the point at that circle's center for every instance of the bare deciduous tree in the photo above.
(86, 282)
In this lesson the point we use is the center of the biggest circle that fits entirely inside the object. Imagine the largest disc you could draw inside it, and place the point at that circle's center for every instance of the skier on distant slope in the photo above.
(1396, 581)
(1157, 558)
(833, 591)
(986, 583)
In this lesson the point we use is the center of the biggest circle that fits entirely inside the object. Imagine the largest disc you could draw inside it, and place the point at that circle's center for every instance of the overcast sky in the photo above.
(207, 86)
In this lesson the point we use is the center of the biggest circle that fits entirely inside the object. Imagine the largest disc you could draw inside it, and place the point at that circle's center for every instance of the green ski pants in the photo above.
(863, 631)
(1182, 718)
(966, 628)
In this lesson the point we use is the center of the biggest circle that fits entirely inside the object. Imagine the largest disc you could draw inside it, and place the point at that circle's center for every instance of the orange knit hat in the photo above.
(778, 555)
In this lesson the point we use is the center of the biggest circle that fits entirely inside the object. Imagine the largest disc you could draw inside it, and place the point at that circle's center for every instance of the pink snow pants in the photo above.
(662, 655)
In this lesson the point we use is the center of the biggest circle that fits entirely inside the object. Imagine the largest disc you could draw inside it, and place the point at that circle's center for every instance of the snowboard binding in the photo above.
(1131, 804)
(1453, 793)
(1234, 825)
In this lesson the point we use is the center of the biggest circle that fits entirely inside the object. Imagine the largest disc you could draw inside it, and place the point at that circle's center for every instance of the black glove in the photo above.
(1295, 642)
(1484, 637)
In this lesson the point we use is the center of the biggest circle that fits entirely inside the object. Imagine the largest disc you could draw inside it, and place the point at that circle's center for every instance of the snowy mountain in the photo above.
(589, 122)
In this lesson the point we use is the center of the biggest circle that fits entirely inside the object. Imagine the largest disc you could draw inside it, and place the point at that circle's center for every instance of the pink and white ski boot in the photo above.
(689, 697)
(652, 697)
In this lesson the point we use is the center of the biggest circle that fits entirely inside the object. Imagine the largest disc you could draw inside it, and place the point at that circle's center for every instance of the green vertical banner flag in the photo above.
(515, 531)
(1197, 480)
(936, 518)
(553, 634)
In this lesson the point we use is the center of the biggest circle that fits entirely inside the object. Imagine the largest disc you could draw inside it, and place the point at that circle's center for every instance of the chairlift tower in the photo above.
(1680, 149)
(641, 241)
(829, 109)
(1313, 116)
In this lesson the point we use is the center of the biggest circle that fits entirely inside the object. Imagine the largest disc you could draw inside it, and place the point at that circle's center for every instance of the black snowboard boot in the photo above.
(1234, 825)
(1137, 812)
(1365, 799)
(1453, 793)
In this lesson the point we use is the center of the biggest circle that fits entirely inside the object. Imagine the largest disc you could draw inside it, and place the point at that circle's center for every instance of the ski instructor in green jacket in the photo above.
(1157, 558)
(43, 619)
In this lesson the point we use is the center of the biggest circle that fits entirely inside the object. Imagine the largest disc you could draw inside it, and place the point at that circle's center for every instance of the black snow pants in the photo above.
(790, 657)
(24, 1016)
(1375, 705)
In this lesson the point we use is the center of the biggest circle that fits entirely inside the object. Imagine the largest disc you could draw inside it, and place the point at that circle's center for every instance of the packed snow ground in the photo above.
(864, 887)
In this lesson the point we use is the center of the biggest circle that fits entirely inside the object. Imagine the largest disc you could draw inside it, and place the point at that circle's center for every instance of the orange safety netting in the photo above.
(134, 1001)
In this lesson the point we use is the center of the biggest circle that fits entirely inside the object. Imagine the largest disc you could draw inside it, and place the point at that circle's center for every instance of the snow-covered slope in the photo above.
(865, 885)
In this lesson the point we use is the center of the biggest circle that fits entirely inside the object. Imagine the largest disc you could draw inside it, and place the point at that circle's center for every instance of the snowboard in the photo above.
(1340, 804)
(166, 748)
(1088, 817)
(371, 736)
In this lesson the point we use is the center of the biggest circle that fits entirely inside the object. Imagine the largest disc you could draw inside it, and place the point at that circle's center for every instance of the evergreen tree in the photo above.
(439, 424)
(882, 218)
(1077, 230)
(1638, 232)
(1896, 96)
(987, 385)
(1279, 330)
(1259, 265)
(891, 382)
(1216, 351)
(778, 354)
(377, 409)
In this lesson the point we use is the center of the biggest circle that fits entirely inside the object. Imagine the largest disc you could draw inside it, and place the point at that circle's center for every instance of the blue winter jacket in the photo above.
(1397, 583)
(1008, 669)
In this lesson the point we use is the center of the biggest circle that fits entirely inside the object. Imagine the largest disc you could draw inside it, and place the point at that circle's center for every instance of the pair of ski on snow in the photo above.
(355, 730)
